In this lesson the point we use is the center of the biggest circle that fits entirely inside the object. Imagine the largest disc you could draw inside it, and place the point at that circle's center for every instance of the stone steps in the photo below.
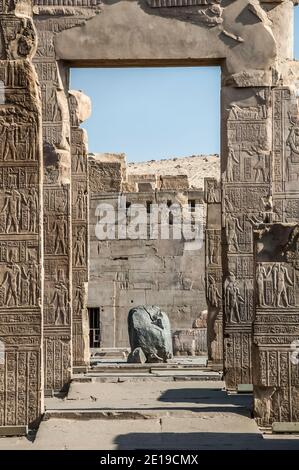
(148, 377)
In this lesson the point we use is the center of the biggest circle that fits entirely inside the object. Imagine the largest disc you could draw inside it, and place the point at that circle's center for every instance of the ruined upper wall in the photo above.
(150, 31)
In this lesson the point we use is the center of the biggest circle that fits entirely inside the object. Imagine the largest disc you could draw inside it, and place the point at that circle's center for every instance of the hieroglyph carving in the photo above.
(80, 202)
(276, 324)
(21, 274)
(213, 268)
(247, 200)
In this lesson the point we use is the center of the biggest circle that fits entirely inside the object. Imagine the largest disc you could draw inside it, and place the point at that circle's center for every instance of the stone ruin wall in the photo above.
(128, 273)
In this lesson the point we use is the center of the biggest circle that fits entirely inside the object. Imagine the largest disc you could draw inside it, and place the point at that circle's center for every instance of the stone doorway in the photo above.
(259, 175)
(126, 272)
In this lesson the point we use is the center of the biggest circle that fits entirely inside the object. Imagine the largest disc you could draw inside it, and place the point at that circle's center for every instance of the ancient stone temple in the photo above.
(44, 212)
(149, 270)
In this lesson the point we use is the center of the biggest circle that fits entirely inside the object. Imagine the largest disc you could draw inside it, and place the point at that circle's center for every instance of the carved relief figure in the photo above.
(212, 293)
(31, 139)
(232, 298)
(12, 208)
(232, 225)
(80, 203)
(79, 247)
(12, 283)
(32, 204)
(231, 159)
(32, 279)
(79, 164)
(8, 137)
(211, 193)
(52, 106)
(280, 280)
(60, 231)
(79, 297)
(261, 276)
(260, 167)
(211, 16)
(213, 248)
(293, 159)
(60, 301)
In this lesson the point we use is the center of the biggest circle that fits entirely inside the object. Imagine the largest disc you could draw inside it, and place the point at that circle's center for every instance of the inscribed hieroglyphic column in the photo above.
(213, 274)
(276, 324)
(246, 200)
(21, 274)
(50, 19)
(57, 215)
(80, 108)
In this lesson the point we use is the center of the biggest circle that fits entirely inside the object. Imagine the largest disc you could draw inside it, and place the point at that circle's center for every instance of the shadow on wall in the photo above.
(201, 441)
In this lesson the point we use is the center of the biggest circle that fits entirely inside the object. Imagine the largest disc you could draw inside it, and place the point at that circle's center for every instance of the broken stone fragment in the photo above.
(149, 331)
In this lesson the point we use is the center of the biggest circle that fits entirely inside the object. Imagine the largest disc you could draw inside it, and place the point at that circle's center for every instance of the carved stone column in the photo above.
(57, 213)
(246, 199)
(21, 218)
(213, 275)
(80, 109)
(276, 324)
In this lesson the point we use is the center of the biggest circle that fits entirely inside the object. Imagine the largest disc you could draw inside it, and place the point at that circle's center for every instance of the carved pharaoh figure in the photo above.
(32, 204)
(280, 280)
(231, 159)
(260, 166)
(12, 283)
(32, 278)
(12, 208)
(60, 301)
(232, 225)
(80, 204)
(79, 245)
(261, 276)
(232, 298)
(60, 230)
(8, 136)
(213, 248)
(213, 295)
(79, 297)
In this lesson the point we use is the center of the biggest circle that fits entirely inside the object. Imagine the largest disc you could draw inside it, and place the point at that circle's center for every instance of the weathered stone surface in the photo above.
(276, 324)
(201, 321)
(190, 342)
(149, 329)
(80, 108)
(137, 356)
(213, 272)
(217, 30)
(146, 271)
(58, 254)
(21, 222)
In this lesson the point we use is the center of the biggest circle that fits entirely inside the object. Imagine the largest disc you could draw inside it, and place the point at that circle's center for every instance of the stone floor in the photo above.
(193, 415)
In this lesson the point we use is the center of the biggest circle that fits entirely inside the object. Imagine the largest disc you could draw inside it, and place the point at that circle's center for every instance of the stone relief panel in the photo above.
(246, 193)
(80, 109)
(21, 218)
(57, 200)
(276, 324)
(213, 272)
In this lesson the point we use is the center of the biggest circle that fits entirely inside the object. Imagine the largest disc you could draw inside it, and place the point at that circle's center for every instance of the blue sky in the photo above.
(154, 113)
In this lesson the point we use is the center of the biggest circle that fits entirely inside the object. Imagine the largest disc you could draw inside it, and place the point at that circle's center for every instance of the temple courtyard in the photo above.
(125, 407)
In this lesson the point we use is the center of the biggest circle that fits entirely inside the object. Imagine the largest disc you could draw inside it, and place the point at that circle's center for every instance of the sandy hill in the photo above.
(196, 167)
